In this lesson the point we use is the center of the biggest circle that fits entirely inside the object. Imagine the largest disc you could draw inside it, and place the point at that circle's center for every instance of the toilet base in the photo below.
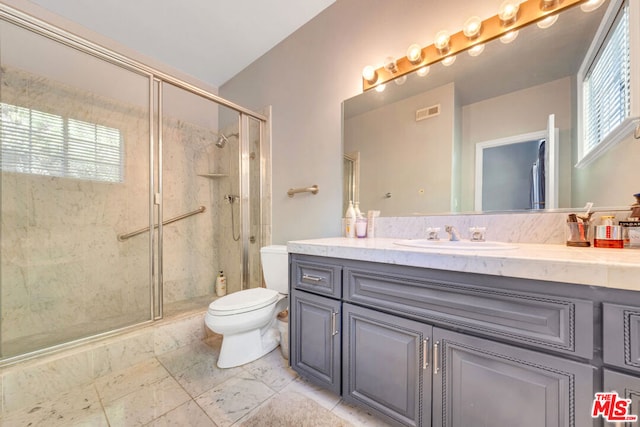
(239, 349)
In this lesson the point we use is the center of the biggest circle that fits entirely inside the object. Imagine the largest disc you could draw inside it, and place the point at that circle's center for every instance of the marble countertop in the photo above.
(612, 268)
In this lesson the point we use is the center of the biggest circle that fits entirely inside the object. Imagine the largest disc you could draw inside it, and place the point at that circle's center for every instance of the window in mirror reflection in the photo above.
(41, 143)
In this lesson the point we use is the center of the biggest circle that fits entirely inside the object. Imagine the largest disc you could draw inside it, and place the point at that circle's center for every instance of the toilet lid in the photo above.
(249, 299)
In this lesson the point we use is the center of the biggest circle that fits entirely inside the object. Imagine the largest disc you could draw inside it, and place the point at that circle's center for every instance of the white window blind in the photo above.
(607, 85)
(46, 144)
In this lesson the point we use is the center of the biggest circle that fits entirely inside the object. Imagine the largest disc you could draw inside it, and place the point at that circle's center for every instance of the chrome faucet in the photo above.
(454, 236)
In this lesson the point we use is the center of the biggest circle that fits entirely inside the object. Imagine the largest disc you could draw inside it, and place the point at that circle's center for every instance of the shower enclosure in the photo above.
(115, 195)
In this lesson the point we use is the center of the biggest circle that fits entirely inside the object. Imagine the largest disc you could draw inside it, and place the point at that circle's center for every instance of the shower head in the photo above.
(223, 139)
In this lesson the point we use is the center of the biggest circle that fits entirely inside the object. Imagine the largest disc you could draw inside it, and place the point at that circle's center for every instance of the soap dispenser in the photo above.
(350, 221)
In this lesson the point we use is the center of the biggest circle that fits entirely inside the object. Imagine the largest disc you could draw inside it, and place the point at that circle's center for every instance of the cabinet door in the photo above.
(621, 336)
(386, 368)
(315, 338)
(481, 383)
(627, 387)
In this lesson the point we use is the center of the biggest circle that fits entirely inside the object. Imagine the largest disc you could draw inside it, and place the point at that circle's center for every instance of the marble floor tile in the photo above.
(185, 357)
(186, 388)
(289, 408)
(188, 414)
(120, 383)
(146, 404)
(322, 396)
(272, 369)
(228, 402)
(79, 407)
(204, 376)
(357, 416)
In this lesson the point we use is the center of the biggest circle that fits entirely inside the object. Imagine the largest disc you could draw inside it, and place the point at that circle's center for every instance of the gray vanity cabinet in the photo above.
(315, 321)
(482, 383)
(424, 347)
(386, 365)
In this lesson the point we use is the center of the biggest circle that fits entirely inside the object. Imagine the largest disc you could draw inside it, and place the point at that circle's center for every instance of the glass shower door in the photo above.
(75, 162)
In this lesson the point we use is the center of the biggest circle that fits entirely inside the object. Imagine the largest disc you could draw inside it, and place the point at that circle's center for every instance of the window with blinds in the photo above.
(607, 86)
(40, 143)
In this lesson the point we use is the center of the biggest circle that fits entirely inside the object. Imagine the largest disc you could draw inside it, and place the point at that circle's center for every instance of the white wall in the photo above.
(305, 79)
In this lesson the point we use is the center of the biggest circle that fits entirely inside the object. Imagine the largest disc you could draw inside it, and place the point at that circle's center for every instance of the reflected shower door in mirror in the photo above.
(519, 172)
(427, 162)
(75, 136)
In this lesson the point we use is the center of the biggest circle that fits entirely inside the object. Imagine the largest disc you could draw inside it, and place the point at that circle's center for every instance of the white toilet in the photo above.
(247, 319)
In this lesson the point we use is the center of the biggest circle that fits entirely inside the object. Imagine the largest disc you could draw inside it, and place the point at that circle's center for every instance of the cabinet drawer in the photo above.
(621, 336)
(550, 322)
(319, 278)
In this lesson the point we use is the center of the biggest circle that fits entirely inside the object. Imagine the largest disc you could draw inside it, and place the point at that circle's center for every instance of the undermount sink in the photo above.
(464, 245)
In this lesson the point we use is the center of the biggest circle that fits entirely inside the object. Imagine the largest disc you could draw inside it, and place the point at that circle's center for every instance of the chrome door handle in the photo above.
(425, 353)
(334, 324)
(311, 278)
(436, 369)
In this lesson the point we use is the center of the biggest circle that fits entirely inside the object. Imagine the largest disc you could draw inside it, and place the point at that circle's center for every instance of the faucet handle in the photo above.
(477, 234)
(432, 233)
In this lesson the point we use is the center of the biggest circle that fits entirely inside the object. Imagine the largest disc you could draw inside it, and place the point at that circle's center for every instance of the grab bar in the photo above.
(313, 190)
(123, 237)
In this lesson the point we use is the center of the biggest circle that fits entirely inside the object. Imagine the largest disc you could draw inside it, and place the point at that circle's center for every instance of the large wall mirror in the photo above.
(416, 144)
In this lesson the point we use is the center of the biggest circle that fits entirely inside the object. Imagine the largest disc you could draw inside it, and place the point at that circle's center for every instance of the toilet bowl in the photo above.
(247, 319)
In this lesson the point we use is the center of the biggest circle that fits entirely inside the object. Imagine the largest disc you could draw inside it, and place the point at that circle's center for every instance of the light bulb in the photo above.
(369, 74)
(442, 42)
(400, 80)
(390, 65)
(380, 88)
(591, 5)
(509, 37)
(548, 4)
(472, 27)
(449, 60)
(476, 50)
(423, 71)
(508, 12)
(548, 21)
(414, 54)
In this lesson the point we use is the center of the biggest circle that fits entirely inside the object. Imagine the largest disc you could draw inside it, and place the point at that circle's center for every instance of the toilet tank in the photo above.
(275, 267)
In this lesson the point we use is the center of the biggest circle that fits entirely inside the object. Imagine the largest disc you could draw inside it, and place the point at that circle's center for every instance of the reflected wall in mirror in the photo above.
(427, 165)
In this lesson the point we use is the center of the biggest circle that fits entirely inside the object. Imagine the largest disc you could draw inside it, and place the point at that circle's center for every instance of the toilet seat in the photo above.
(243, 301)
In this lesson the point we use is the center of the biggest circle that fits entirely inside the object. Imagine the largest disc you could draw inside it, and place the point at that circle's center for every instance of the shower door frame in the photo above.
(156, 78)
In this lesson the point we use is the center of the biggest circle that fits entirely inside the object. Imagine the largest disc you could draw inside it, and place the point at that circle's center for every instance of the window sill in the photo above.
(623, 130)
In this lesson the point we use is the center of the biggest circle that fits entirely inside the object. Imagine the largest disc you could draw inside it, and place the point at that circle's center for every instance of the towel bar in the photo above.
(313, 190)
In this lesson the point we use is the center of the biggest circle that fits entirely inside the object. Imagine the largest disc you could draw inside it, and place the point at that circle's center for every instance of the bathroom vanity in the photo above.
(418, 337)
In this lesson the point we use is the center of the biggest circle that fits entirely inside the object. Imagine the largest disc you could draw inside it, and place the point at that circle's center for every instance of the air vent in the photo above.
(425, 113)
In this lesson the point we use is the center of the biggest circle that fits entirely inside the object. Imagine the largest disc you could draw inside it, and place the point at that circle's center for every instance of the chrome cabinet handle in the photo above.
(334, 323)
(436, 369)
(425, 353)
(311, 278)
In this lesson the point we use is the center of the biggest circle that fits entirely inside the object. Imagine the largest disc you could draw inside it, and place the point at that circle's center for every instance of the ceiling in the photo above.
(212, 40)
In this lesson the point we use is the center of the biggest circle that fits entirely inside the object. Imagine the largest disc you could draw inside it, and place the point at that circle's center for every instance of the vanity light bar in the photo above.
(530, 11)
